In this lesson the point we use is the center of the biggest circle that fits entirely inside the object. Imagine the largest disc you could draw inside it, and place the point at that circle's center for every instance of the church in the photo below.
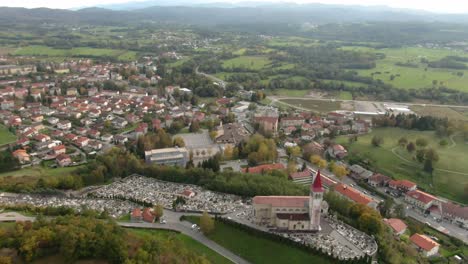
(292, 213)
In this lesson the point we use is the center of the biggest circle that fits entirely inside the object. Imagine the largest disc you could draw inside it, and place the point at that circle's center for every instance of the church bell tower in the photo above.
(315, 202)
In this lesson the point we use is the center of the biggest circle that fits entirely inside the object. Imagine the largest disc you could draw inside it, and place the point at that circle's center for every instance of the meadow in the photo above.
(448, 180)
(249, 62)
(75, 52)
(409, 77)
(257, 249)
(6, 136)
(440, 112)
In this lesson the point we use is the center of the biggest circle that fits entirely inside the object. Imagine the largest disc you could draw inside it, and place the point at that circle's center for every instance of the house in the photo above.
(107, 137)
(53, 120)
(63, 160)
(136, 215)
(357, 172)
(455, 213)
(22, 156)
(71, 137)
(60, 149)
(147, 215)
(264, 168)
(41, 138)
(37, 118)
(398, 226)
(402, 185)
(378, 180)
(355, 195)
(120, 139)
(94, 144)
(337, 151)
(64, 125)
(267, 124)
(293, 121)
(425, 245)
(23, 142)
(421, 200)
(82, 142)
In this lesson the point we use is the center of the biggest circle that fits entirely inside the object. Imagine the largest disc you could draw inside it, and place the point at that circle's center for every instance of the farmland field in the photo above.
(249, 62)
(419, 77)
(448, 180)
(74, 52)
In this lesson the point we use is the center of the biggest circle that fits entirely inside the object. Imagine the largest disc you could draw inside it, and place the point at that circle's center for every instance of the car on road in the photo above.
(194, 226)
(162, 221)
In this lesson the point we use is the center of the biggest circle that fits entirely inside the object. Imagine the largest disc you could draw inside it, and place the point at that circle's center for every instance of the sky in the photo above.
(438, 6)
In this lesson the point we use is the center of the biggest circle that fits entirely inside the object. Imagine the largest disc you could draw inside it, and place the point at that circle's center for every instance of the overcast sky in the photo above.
(440, 6)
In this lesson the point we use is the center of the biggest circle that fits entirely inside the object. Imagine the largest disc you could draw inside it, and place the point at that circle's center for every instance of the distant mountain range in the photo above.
(209, 14)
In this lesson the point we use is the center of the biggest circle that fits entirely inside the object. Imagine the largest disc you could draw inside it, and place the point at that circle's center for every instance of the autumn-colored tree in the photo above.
(318, 161)
(207, 224)
(158, 211)
(228, 152)
(293, 152)
(292, 166)
(340, 171)
(178, 142)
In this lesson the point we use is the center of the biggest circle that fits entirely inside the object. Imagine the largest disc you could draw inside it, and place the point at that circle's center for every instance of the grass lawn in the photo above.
(6, 136)
(187, 241)
(314, 105)
(79, 52)
(256, 249)
(38, 171)
(449, 184)
(249, 62)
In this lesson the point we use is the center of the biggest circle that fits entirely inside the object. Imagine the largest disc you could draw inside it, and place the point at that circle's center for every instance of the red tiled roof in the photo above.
(264, 167)
(282, 201)
(421, 196)
(402, 183)
(455, 210)
(327, 181)
(136, 212)
(423, 242)
(396, 224)
(353, 194)
(317, 185)
(147, 215)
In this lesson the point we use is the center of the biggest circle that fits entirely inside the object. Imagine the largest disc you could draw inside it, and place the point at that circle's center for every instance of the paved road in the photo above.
(222, 83)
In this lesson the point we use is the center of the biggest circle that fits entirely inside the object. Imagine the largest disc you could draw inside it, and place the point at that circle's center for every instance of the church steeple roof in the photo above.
(317, 185)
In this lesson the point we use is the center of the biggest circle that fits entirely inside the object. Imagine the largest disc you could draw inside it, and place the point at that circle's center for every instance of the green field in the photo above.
(249, 62)
(187, 241)
(314, 105)
(37, 171)
(6, 136)
(256, 249)
(419, 77)
(75, 52)
(345, 96)
(395, 161)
